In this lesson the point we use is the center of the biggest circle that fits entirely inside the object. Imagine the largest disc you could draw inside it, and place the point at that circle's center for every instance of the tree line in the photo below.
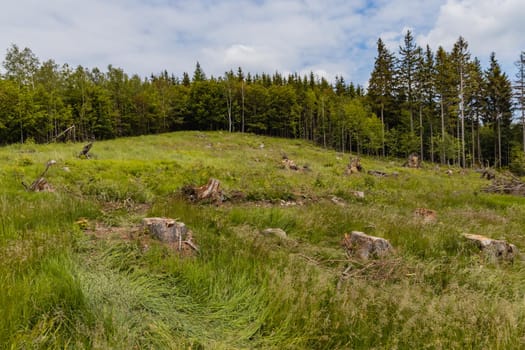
(445, 106)
(441, 105)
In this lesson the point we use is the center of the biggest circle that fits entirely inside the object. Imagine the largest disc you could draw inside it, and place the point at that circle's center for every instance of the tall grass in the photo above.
(64, 286)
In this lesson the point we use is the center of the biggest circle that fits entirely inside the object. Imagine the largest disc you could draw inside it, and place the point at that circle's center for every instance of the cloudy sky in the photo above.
(328, 37)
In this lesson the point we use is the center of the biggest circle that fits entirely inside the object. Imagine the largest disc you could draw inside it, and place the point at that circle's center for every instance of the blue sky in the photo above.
(328, 37)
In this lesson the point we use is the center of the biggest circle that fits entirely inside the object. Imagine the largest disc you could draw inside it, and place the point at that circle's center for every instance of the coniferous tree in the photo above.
(460, 59)
(498, 109)
(409, 53)
(445, 89)
(474, 105)
(381, 84)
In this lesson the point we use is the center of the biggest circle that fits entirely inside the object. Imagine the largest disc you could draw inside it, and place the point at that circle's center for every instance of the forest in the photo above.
(442, 105)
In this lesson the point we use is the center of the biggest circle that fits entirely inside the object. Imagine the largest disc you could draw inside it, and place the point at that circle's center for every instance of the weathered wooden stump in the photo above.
(211, 192)
(427, 215)
(289, 164)
(364, 246)
(85, 151)
(413, 161)
(354, 166)
(493, 248)
(169, 231)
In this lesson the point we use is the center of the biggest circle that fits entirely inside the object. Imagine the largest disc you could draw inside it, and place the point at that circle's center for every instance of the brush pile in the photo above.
(506, 183)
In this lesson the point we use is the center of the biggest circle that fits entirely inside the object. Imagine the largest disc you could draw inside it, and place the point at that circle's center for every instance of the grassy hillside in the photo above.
(77, 272)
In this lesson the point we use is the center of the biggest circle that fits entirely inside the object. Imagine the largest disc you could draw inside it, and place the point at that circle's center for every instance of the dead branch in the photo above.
(40, 184)
(507, 183)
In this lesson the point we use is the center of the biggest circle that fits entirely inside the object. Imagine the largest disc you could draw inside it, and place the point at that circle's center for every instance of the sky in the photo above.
(328, 37)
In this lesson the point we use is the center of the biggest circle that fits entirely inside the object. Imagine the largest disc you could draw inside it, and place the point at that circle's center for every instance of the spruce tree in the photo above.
(498, 108)
(381, 84)
(407, 67)
(460, 59)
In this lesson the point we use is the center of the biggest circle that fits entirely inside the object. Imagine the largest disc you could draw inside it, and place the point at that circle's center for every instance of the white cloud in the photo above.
(331, 37)
(487, 25)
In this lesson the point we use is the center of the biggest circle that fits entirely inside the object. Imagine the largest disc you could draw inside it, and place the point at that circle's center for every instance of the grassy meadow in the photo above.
(77, 272)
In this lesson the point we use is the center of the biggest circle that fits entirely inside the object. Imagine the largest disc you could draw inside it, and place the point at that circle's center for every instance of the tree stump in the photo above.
(85, 151)
(210, 192)
(354, 166)
(427, 215)
(364, 246)
(289, 164)
(169, 231)
(413, 161)
(493, 248)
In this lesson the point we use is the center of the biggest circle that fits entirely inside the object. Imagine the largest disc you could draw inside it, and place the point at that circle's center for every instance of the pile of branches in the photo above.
(506, 183)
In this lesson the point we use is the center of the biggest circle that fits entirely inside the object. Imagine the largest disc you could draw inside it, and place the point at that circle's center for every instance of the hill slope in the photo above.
(77, 271)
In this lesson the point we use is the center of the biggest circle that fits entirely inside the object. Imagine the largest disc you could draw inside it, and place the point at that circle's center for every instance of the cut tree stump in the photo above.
(354, 166)
(211, 192)
(85, 151)
(427, 215)
(493, 248)
(169, 231)
(364, 246)
(413, 161)
(289, 164)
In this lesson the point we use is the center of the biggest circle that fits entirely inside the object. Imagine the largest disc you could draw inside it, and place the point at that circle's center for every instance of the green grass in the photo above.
(64, 286)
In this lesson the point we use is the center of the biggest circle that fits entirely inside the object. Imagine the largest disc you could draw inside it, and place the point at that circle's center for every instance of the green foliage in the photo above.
(517, 162)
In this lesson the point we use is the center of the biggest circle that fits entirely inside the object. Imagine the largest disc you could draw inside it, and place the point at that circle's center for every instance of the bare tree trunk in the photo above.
(242, 108)
(499, 142)
(229, 106)
(383, 127)
(443, 154)
(431, 144)
(462, 115)
(421, 131)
